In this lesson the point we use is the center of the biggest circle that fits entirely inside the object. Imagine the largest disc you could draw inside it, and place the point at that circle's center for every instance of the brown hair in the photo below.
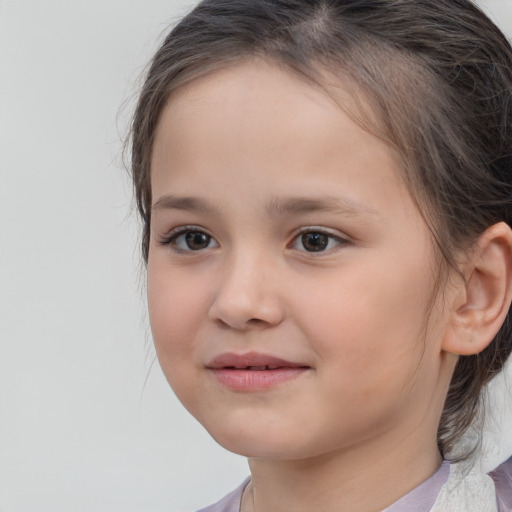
(438, 79)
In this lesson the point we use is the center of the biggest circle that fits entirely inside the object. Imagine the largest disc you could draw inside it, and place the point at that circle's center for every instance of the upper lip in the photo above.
(250, 359)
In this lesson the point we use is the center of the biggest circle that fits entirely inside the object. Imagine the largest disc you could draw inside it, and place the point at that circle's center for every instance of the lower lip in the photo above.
(256, 380)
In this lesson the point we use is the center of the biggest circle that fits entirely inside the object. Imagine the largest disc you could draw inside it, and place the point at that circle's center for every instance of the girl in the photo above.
(325, 187)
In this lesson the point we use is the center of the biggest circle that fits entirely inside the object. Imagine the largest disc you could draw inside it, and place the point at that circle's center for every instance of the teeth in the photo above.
(256, 368)
(263, 367)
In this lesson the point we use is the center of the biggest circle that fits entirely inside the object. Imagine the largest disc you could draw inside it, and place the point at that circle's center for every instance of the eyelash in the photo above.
(172, 237)
(313, 230)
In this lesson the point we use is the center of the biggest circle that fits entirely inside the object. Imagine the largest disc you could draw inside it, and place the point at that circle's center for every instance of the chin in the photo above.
(268, 443)
(257, 441)
(260, 448)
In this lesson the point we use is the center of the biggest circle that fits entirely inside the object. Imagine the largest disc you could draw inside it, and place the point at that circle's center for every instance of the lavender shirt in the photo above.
(420, 499)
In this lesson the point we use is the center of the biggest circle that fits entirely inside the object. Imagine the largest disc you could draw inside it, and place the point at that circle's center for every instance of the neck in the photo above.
(361, 479)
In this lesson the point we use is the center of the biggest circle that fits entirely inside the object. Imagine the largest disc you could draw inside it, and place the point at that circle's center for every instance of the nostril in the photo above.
(242, 311)
(253, 323)
(222, 324)
(256, 323)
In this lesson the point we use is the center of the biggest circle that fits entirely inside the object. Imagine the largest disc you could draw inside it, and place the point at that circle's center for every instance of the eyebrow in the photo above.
(276, 206)
(187, 203)
(339, 205)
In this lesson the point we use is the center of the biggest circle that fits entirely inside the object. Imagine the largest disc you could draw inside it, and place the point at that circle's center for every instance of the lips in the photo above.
(252, 360)
(253, 371)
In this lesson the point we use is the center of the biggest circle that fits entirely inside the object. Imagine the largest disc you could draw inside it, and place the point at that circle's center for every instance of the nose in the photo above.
(247, 295)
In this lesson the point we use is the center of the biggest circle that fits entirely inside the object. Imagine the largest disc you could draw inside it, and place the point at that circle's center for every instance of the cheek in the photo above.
(175, 312)
(372, 349)
(368, 324)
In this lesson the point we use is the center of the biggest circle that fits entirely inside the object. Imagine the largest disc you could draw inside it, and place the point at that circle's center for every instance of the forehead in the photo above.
(246, 81)
(241, 110)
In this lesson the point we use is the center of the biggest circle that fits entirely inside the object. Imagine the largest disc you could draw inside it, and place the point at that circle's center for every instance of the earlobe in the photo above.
(487, 293)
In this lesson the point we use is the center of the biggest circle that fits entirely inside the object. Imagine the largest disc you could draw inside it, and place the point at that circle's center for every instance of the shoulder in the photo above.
(468, 489)
(230, 503)
(502, 477)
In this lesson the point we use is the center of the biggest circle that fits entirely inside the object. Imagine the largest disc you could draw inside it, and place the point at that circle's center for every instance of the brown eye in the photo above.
(315, 242)
(196, 240)
(187, 240)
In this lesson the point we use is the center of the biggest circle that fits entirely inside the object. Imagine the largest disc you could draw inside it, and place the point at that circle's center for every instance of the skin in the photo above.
(357, 429)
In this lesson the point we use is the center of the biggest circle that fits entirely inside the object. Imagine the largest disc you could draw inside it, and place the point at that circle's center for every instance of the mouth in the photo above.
(254, 371)
(256, 368)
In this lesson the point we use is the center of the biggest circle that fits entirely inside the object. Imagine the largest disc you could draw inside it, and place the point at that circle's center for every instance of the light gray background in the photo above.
(80, 427)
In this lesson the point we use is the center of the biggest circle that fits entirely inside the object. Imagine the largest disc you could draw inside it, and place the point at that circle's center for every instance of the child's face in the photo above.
(282, 231)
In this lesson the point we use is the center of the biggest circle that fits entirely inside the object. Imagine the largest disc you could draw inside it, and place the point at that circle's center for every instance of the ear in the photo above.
(483, 300)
